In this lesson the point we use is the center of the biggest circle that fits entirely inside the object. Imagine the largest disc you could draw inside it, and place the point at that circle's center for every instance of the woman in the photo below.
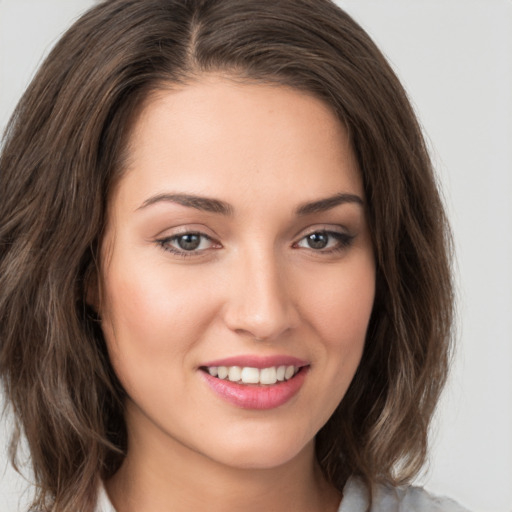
(224, 265)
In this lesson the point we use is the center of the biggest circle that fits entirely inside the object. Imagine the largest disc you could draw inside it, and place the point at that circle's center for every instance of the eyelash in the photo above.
(165, 244)
(344, 241)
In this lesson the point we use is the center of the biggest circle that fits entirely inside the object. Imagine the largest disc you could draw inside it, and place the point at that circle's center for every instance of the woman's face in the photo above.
(237, 244)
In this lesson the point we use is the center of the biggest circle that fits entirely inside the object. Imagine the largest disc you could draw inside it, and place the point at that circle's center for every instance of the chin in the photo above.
(269, 453)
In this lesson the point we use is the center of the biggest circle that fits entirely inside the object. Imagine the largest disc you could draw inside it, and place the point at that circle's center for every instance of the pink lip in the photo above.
(259, 362)
(250, 396)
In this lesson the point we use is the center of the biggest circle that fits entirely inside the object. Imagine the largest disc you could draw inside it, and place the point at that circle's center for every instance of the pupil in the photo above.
(318, 240)
(189, 242)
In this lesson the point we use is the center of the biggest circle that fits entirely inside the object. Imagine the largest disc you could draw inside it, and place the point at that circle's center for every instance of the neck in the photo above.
(162, 475)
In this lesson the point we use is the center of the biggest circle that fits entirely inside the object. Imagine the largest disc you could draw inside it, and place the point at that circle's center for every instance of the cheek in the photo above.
(150, 318)
(150, 299)
(342, 304)
(339, 312)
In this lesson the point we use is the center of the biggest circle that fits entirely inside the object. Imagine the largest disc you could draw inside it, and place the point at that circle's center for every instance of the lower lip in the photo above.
(254, 396)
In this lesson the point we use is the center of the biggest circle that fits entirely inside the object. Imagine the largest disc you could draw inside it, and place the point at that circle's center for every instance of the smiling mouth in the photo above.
(253, 376)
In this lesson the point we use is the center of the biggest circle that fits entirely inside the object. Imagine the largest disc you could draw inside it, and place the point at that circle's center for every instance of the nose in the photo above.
(260, 303)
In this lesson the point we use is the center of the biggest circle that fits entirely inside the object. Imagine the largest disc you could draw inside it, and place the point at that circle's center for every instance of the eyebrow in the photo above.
(205, 204)
(211, 205)
(323, 205)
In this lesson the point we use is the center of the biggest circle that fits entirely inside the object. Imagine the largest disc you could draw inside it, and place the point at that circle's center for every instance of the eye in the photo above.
(186, 244)
(325, 241)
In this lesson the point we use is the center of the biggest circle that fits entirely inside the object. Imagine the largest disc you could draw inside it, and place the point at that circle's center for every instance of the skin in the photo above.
(254, 286)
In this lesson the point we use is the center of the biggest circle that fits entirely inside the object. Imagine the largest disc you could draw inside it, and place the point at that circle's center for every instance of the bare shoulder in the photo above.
(387, 498)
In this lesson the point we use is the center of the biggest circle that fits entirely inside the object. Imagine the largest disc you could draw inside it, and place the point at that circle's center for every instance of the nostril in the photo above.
(258, 306)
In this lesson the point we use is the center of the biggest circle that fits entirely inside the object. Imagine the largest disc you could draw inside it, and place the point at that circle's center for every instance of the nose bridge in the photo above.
(260, 304)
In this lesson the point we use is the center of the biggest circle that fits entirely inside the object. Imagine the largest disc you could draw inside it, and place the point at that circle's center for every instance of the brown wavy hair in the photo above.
(62, 155)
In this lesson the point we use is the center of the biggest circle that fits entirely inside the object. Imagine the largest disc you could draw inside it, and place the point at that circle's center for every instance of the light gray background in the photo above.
(455, 59)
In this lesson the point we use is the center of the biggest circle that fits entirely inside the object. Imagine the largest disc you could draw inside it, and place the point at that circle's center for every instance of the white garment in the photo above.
(103, 504)
(355, 499)
(394, 499)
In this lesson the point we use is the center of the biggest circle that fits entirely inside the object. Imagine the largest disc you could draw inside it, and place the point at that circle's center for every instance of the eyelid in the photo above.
(339, 233)
(322, 228)
(344, 239)
(185, 228)
(165, 242)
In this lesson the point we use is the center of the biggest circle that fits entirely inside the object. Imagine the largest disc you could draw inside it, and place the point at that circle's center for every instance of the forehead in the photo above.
(216, 131)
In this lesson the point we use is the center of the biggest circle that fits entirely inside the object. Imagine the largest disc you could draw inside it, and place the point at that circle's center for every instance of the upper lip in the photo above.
(253, 361)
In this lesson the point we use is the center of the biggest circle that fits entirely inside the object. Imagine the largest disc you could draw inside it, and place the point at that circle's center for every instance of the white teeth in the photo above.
(222, 372)
(234, 373)
(268, 376)
(248, 375)
(289, 372)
